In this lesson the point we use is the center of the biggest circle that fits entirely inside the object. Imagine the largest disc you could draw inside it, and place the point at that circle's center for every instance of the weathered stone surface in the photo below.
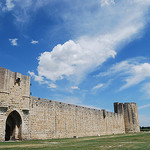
(39, 118)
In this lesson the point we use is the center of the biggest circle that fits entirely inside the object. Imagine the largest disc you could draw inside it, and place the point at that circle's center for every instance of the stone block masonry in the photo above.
(26, 117)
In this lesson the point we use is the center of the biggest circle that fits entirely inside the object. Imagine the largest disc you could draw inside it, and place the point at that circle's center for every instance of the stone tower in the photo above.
(14, 105)
(130, 113)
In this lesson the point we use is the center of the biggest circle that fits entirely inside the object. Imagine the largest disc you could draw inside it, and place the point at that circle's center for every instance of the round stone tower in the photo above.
(130, 113)
(131, 118)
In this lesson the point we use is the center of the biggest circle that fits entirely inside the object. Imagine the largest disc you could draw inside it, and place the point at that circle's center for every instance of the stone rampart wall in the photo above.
(40, 118)
(51, 119)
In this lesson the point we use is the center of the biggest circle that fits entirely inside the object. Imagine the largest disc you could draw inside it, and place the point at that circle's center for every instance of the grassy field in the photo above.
(137, 141)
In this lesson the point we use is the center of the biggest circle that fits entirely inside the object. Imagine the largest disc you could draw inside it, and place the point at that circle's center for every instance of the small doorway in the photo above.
(13, 126)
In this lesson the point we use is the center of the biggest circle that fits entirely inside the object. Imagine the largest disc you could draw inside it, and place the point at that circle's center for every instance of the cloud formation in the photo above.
(132, 72)
(137, 74)
(98, 86)
(73, 60)
(98, 33)
(52, 86)
(34, 42)
(14, 41)
(76, 58)
(144, 106)
(106, 2)
(36, 78)
(9, 4)
(75, 87)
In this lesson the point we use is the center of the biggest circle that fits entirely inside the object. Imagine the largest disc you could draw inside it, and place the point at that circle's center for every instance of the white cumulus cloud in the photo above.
(111, 28)
(36, 78)
(14, 41)
(73, 60)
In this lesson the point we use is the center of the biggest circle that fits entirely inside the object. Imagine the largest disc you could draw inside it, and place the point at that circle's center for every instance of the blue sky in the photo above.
(90, 53)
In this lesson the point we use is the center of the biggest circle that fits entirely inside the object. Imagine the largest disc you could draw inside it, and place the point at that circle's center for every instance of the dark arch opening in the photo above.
(13, 126)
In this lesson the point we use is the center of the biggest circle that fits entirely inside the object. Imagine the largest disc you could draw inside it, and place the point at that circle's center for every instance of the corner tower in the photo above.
(130, 113)
(131, 117)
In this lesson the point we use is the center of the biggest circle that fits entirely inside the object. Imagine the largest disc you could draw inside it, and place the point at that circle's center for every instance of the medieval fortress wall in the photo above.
(58, 120)
(26, 117)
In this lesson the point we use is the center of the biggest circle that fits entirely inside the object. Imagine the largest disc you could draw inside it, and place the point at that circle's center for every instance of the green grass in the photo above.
(136, 141)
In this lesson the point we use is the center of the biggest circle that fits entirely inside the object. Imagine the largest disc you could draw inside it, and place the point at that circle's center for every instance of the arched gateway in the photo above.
(13, 126)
